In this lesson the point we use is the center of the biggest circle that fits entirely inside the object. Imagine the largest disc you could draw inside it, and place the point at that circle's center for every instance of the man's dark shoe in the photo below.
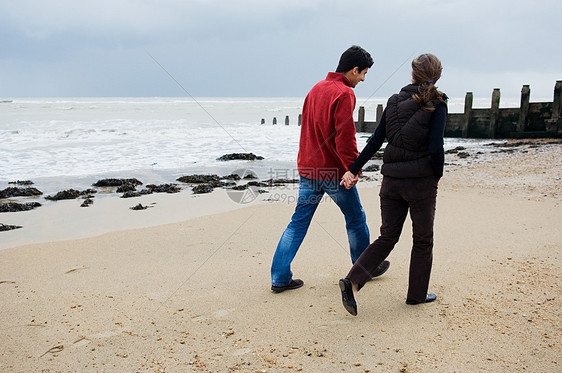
(430, 298)
(382, 268)
(347, 297)
(294, 284)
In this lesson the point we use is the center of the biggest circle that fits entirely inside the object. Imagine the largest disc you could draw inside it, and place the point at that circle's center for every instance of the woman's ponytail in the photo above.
(426, 70)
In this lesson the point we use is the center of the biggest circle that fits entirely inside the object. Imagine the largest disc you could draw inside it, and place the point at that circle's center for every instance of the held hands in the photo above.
(349, 180)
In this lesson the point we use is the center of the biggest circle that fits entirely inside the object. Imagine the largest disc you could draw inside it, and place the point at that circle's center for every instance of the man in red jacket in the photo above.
(326, 151)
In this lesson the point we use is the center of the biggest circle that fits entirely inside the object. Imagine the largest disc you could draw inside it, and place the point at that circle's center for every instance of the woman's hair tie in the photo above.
(430, 82)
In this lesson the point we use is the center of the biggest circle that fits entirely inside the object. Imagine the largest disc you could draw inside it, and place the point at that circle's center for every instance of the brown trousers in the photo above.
(397, 196)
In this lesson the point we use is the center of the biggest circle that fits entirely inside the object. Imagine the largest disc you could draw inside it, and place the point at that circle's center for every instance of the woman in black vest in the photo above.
(413, 123)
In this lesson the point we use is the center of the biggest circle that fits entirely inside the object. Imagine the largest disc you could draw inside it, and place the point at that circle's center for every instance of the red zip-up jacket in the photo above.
(327, 144)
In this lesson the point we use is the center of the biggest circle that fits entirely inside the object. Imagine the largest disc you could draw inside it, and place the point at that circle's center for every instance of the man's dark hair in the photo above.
(355, 56)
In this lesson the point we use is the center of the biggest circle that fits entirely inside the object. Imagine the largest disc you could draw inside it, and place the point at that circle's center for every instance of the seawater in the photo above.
(76, 141)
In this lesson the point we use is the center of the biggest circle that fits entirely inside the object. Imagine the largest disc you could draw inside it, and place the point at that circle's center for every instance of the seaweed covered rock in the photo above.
(239, 156)
(6, 227)
(260, 184)
(455, 150)
(139, 207)
(22, 182)
(70, 194)
(116, 182)
(163, 188)
(282, 181)
(126, 188)
(131, 194)
(202, 188)
(232, 177)
(198, 179)
(372, 168)
(19, 192)
(87, 202)
(15, 206)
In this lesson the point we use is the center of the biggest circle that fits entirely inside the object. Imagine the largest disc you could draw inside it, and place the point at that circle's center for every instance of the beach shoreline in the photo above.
(193, 294)
(64, 219)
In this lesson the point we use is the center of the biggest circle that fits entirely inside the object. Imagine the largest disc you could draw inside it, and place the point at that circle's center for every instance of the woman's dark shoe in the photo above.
(347, 297)
(382, 268)
(294, 284)
(429, 298)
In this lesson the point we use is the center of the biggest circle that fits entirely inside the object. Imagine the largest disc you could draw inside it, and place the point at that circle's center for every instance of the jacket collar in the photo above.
(411, 88)
(338, 77)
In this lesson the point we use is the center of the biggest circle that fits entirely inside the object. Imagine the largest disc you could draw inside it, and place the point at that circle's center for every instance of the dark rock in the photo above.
(87, 202)
(198, 179)
(378, 155)
(139, 207)
(19, 192)
(508, 151)
(202, 188)
(126, 188)
(131, 194)
(372, 168)
(116, 182)
(164, 188)
(227, 184)
(70, 194)
(15, 206)
(65, 194)
(6, 227)
(259, 184)
(455, 150)
(250, 176)
(274, 182)
(239, 156)
(240, 187)
(463, 155)
(20, 182)
(284, 181)
(234, 177)
(206, 181)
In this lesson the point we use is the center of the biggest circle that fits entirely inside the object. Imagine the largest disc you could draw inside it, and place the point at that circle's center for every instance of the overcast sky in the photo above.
(272, 48)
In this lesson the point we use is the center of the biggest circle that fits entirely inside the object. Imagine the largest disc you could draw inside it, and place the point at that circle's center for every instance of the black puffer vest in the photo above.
(407, 131)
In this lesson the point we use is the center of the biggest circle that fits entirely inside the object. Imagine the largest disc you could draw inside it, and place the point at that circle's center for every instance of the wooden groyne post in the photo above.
(555, 123)
(494, 114)
(467, 114)
(361, 119)
(524, 108)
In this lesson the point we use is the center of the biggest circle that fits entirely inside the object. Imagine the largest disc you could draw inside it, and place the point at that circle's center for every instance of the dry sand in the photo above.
(194, 295)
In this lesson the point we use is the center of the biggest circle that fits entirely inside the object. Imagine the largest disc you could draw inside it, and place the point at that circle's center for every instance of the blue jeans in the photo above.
(310, 194)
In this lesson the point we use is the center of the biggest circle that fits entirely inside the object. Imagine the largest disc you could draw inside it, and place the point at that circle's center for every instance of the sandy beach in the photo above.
(187, 288)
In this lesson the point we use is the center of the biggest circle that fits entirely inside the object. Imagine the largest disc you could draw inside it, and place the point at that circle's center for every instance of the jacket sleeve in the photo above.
(372, 146)
(346, 145)
(436, 133)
